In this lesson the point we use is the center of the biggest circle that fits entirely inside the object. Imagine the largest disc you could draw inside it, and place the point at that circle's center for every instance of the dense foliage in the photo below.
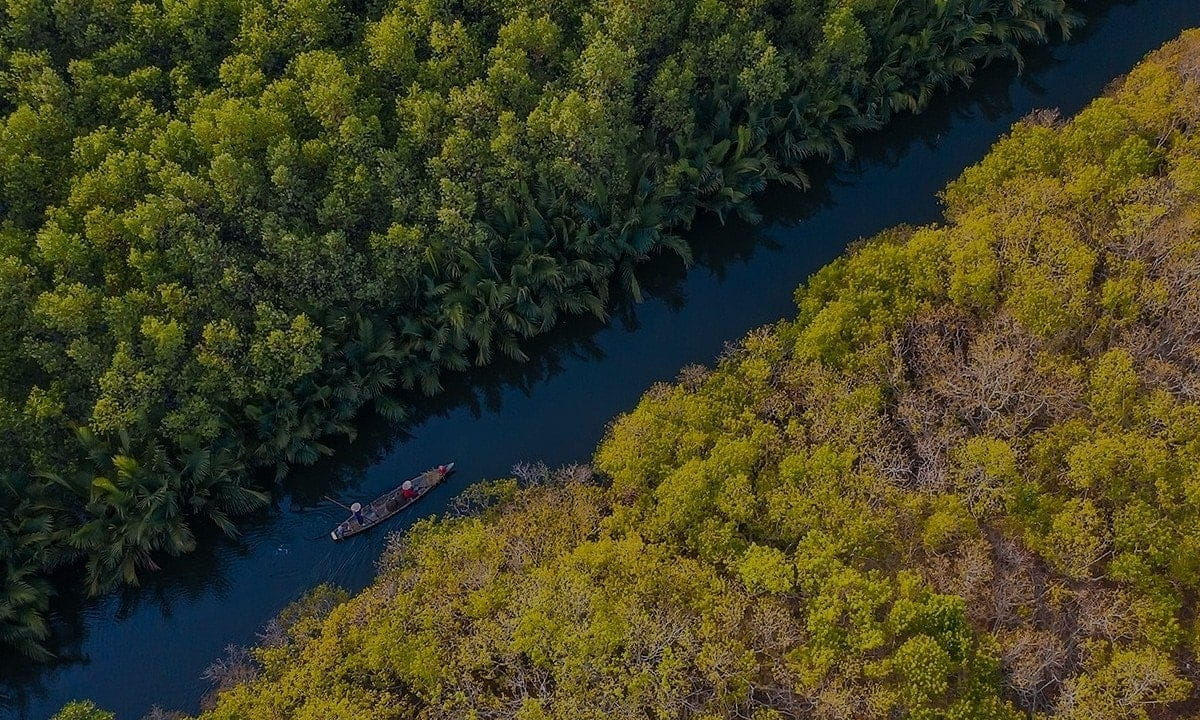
(83, 710)
(227, 225)
(963, 483)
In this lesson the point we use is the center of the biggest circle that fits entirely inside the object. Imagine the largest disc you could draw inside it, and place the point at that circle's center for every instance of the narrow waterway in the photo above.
(150, 646)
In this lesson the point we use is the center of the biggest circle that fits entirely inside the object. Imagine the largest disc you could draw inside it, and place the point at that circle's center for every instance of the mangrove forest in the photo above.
(962, 483)
(228, 226)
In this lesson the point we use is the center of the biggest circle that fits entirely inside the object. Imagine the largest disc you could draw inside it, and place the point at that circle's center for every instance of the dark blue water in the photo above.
(150, 646)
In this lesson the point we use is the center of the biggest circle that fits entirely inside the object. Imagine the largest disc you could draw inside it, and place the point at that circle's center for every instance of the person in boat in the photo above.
(407, 491)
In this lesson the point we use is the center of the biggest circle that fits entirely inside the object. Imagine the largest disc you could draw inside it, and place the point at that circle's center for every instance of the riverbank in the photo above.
(547, 417)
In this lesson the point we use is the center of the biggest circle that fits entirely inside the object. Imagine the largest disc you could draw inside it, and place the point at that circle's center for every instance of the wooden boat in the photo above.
(385, 506)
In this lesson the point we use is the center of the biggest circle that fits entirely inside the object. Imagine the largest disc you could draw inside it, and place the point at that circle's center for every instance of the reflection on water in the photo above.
(149, 645)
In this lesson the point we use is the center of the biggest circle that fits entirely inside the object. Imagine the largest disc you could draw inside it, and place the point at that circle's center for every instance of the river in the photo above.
(150, 645)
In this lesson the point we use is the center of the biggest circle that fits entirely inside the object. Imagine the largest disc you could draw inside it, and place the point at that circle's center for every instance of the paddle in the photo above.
(335, 502)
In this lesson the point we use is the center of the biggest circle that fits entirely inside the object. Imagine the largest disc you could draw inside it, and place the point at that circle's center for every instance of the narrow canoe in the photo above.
(385, 506)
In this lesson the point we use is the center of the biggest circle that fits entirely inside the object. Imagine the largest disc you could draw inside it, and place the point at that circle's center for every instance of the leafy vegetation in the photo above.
(82, 711)
(225, 227)
(962, 483)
